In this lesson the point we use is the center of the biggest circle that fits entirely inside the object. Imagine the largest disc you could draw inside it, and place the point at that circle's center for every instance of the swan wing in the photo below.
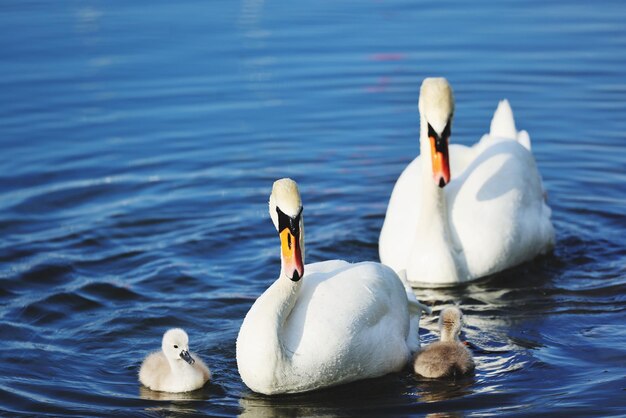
(497, 210)
(154, 371)
(400, 225)
(416, 309)
(347, 325)
(201, 367)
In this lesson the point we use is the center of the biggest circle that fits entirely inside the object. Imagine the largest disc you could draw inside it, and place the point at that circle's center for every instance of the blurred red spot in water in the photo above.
(380, 86)
(389, 56)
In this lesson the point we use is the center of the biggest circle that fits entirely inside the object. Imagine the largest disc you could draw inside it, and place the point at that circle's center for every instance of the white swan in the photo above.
(490, 216)
(447, 357)
(325, 323)
(174, 369)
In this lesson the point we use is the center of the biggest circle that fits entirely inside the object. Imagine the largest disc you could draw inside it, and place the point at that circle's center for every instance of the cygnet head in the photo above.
(450, 323)
(436, 106)
(175, 345)
(285, 208)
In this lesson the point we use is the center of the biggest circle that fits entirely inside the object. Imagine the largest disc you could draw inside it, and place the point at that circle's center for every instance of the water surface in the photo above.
(140, 141)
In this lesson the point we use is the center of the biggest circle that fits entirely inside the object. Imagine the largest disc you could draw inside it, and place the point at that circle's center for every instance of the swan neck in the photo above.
(448, 337)
(270, 312)
(285, 299)
(433, 255)
(284, 293)
(274, 307)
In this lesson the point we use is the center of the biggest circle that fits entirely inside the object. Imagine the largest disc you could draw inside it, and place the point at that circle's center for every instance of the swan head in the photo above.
(450, 322)
(436, 106)
(285, 208)
(175, 346)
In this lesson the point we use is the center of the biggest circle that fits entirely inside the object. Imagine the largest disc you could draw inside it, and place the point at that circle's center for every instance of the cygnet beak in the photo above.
(187, 357)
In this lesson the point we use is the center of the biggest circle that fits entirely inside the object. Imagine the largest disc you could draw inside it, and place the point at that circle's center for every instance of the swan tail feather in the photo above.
(503, 126)
(416, 308)
(524, 139)
(407, 287)
(503, 123)
(413, 339)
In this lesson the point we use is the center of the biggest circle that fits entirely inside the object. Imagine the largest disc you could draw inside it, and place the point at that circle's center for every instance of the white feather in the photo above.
(166, 371)
(339, 323)
(491, 216)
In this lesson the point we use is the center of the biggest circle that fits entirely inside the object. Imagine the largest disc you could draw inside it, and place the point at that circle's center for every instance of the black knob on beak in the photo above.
(187, 357)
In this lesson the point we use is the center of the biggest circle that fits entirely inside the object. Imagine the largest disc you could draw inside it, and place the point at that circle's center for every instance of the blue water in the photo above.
(140, 141)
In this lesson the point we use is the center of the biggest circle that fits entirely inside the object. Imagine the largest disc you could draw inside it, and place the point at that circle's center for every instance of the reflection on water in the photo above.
(384, 395)
(273, 408)
(153, 395)
(179, 404)
(434, 390)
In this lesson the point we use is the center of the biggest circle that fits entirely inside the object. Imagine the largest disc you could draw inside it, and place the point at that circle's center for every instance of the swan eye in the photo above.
(446, 132)
(431, 132)
(175, 346)
(444, 135)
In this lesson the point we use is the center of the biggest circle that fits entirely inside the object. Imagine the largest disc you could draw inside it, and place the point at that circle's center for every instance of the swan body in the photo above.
(335, 323)
(491, 214)
(448, 357)
(174, 369)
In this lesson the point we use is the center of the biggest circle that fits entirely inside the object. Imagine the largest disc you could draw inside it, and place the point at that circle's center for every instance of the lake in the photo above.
(140, 141)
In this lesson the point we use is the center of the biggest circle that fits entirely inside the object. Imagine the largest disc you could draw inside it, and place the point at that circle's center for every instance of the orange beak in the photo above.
(291, 255)
(441, 163)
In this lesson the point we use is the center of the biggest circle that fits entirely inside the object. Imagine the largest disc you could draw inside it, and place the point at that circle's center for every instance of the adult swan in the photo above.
(325, 323)
(490, 216)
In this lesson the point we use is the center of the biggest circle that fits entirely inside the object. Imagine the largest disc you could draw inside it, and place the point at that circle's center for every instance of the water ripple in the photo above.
(140, 148)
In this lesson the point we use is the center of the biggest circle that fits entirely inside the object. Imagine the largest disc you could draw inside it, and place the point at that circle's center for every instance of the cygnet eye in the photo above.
(175, 346)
